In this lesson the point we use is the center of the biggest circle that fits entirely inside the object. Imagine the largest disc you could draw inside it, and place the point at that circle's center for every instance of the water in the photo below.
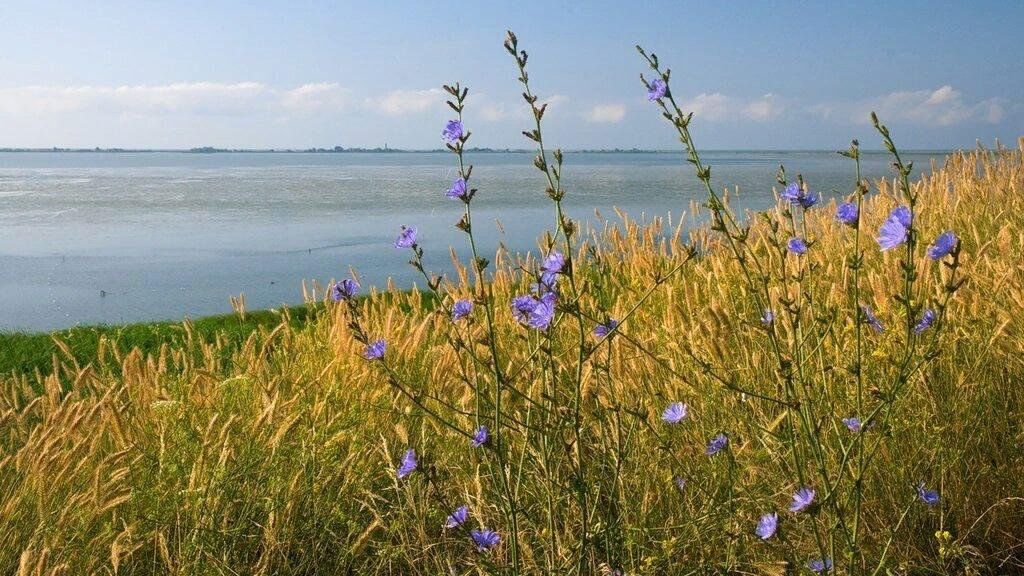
(110, 238)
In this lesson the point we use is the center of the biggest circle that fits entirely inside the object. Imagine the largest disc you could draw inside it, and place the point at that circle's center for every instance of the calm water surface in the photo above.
(110, 238)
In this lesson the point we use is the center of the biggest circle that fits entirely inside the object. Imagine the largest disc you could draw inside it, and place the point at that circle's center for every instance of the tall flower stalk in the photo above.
(462, 189)
(567, 228)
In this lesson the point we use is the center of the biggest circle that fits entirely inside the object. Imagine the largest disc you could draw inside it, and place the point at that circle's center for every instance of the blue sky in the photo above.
(297, 74)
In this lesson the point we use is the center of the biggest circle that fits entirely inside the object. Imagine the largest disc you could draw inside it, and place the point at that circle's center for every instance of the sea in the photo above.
(110, 238)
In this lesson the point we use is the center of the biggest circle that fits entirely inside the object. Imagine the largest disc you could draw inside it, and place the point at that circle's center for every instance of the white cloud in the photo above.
(764, 108)
(402, 102)
(717, 107)
(553, 100)
(606, 113)
(313, 98)
(943, 106)
(993, 110)
(480, 104)
(188, 98)
(712, 107)
(496, 111)
(493, 112)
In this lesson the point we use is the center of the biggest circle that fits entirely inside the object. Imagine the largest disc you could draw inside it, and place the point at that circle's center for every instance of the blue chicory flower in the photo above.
(542, 315)
(797, 246)
(603, 330)
(902, 215)
(461, 309)
(871, 319)
(344, 290)
(717, 444)
(847, 214)
(656, 90)
(452, 131)
(895, 229)
(767, 317)
(675, 413)
(408, 464)
(550, 268)
(929, 497)
(406, 238)
(375, 350)
(853, 423)
(534, 312)
(485, 539)
(794, 194)
(457, 518)
(791, 193)
(802, 499)
(927, 319)
(767, 526)
(943, 245)
(522, 306)
(819, 565)
(457, 191)
(480, 436)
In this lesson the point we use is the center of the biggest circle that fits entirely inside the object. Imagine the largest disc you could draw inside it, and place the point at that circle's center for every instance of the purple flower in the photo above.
(675, 413)
(603, 330)
(536, 313)
(457, 518)
(802, 499)
(452, 131)
(847, 214)
(767, 317)
(929, 497)
(717, 444)
(375, 350)
(767, 526)
(902, 215)
(522, 306)
(656, 90)
(485, 539)
(791, 193)
(794, 194)
(461, 309)
(550, 268)
(943, 245)
(406, 238)
(408, 464)
(458, 190)
(819, 565)
(480, 436)
(680, 482)
(870, 318)
(927, 319)
(853, 423)
(895, 229)
(797, 246)
(344, 290)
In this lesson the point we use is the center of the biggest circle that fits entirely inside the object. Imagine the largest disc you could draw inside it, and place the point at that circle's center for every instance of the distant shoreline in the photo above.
(340, 150)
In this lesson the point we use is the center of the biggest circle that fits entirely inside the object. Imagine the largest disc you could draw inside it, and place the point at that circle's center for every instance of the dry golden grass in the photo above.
(282, 461)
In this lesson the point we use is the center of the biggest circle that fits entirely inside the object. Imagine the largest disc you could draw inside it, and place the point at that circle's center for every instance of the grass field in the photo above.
(269, 446)
(24, 353)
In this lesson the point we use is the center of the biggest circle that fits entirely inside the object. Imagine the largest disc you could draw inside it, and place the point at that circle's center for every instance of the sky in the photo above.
(765, 75)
